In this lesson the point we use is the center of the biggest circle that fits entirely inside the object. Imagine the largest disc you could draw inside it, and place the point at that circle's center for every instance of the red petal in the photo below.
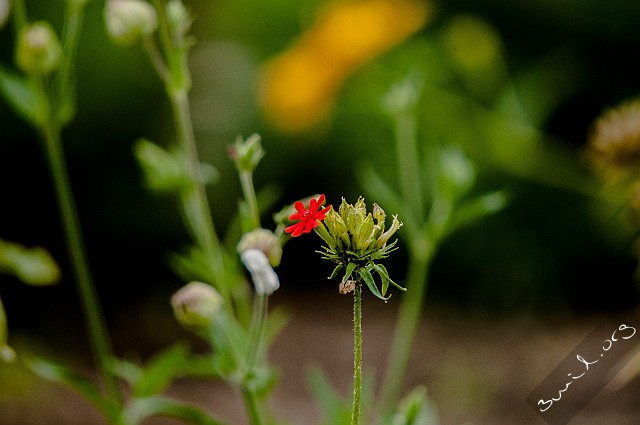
(299, 207)
(310, 225)
(295, 229)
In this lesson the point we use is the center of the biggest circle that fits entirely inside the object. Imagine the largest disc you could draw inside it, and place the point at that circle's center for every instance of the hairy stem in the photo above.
(357, 353)
(246, 180)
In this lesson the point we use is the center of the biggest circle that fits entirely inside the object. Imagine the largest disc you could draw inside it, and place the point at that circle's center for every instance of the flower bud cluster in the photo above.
(353, 235)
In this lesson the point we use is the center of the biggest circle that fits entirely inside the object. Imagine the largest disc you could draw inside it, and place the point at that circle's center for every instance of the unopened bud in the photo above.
(247, 153)
(38, 50)
(7, 354)
(128, 21)
(264, 240)
(178, 18)
(264, 277)
(196, 305)
(5, 7)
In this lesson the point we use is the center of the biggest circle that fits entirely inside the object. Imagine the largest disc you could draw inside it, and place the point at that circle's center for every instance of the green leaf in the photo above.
(77, 382)
(477, 208)
(22, 96)
(335, 271)
(371, 284)
(128, 371)
(141, 408)
(384, 274)
(415, 409)
(347, 274)
(161, 370)
(334, 407)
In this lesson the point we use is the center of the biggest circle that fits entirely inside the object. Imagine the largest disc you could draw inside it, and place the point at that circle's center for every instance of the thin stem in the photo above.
(404, 332)
(19, 16)
(357, 353)
(156, 59)
(201, 220)
(92, 311)
(408, 166)
(246, 180)
(250, 400)
(71, 36)
(257, 329)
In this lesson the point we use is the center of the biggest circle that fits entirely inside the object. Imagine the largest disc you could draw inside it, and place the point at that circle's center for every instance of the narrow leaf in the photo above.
(371, 284)
(142, 408)
(347, 274)
(161, 370)
(384, 274)
(21, 96)
(75, 381)
(335, 271)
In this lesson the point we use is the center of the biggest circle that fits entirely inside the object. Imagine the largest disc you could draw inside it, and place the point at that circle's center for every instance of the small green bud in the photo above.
(247, 153)
(128, 21)
(178, 18)
(264, 240)
(337, 227)
(7, 354)
(5, 8)
(196, 305)
(38, 50)
(363, 233)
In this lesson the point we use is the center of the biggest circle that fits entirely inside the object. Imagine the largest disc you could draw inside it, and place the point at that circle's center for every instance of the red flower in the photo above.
(309, 218)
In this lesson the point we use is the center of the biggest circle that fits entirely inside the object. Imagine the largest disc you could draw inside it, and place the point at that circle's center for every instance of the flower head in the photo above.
(196, 305)
(309, 218)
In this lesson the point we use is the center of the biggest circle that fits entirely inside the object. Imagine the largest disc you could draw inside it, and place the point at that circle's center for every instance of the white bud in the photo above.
(38, 50)
(196, 304)
(264, 277)
(128, 21)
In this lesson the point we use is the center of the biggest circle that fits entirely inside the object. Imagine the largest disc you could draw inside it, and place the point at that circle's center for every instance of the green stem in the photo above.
(404, 332)
(246, 180)
(257, 330)
(357, 353)
(202, 223)
(409, 167)
(92, 311)
(250, 400)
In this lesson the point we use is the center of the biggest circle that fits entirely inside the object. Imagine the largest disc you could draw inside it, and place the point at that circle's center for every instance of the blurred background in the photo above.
(517, 85)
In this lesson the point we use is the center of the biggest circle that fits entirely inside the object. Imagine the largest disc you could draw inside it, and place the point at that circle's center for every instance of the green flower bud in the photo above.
(128, 21)
(5, 7)
(337, 227)
(363, 233)
(38, 50)
(7, 354)
(264, 240)
(178, 18)
(196, 305)
(247, 153)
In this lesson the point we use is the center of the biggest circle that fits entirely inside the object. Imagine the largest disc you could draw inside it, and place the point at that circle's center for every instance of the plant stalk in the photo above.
(404, 332)
(357, 353)
(96, 328)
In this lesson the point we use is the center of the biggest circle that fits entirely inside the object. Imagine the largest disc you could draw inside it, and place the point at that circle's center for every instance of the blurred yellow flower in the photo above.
(298, 87)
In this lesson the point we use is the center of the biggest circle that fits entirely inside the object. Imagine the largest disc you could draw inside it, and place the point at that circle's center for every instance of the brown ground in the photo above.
(477, 370)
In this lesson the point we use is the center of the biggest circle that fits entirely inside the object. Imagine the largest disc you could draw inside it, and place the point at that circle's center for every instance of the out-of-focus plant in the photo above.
(223, 316)
(299, 86)
(33, 266)
(43, 94)
(434, 201)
